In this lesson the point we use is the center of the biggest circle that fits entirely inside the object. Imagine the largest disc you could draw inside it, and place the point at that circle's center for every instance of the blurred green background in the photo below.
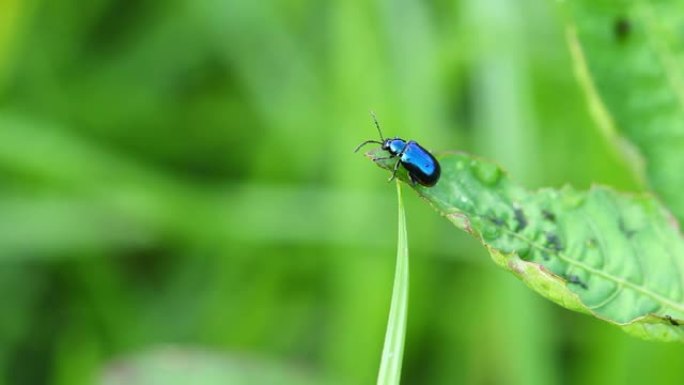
(179, 196)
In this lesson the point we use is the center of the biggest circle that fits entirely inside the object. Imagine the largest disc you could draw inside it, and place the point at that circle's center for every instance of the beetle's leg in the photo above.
(412, 179)
(394, 171)
(396, 165)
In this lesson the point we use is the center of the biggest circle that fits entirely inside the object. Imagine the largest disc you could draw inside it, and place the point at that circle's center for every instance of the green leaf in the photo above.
(393, 350)
(629, 57)
(616, 256)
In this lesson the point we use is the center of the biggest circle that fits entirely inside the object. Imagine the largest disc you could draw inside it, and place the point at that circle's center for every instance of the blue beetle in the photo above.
(421, 166)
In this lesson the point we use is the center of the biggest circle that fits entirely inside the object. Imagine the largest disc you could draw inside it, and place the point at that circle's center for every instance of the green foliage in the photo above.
(629, 56)
(618, 257)
(185, 366)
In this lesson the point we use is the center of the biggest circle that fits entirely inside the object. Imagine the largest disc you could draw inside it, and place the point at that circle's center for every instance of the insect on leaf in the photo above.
(619, 257)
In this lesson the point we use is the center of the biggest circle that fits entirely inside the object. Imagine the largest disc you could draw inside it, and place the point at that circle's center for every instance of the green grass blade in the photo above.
(618, 257)
(393, 350)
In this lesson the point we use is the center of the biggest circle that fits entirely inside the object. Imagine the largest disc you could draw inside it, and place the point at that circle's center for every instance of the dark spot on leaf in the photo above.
(553, 242)
(548, 215)
(496, 221)
(629, 233)
(575, 280)
(592, 243)
(520, 218)
(545, 255)
(622, 29)
(673, 321)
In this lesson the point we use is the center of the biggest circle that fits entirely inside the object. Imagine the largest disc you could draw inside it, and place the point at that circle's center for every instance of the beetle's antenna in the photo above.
(365, 143)
(377, 125)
